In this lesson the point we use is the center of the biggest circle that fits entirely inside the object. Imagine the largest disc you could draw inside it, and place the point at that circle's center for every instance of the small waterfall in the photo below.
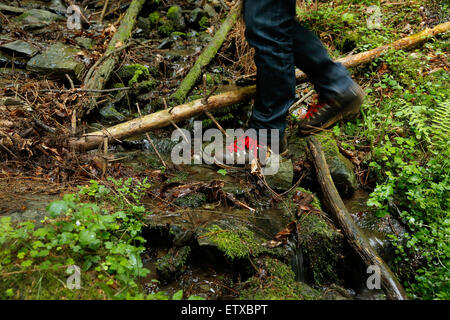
(296, 258)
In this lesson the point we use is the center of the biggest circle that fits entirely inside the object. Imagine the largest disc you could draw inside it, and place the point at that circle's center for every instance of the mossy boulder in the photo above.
(277, 282)
(341, 169)
(85, 42)
(233, 238)
(36, 18)
(20, 48)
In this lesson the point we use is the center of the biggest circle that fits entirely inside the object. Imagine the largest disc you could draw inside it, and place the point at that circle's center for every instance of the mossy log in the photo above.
(100, 76)
(402, 44)
(356, 238)
(185, 111)
(207, 55)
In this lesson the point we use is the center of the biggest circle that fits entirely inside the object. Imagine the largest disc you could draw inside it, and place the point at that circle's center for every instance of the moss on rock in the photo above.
(278, 283)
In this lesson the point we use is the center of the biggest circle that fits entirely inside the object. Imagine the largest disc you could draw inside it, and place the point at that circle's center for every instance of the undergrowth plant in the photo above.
(98, 230)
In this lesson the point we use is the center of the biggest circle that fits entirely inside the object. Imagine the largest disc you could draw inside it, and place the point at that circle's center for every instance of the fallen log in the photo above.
(97, 79)
(404, 43)
(207, 55)
(185, 111)
(161, 118)
(356, 238)
(11, 9)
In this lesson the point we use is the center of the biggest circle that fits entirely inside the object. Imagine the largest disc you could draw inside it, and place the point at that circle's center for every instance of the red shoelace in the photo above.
(243, 143)
(313, 108)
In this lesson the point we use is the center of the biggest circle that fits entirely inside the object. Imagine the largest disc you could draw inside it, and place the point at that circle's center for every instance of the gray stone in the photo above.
(21, 48)
(84, 42)
(282, 180)
(110, 114)
(37, 18)
(58, 60)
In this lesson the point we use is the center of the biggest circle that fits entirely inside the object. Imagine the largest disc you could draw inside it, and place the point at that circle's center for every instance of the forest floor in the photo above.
(136, 229)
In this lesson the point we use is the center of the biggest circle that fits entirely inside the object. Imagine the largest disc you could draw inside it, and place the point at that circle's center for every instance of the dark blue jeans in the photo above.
(281, 43)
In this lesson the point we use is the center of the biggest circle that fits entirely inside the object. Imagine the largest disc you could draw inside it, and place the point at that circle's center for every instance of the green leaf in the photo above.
(57, 207)
(26, 263)
(223, 172)
(178, 295)
(196, 298)
(88, 238)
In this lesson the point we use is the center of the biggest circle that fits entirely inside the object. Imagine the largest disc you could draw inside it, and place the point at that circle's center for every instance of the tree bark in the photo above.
(357, 239)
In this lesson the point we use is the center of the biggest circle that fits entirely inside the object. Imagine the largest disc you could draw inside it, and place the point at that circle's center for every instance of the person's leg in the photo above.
(328, 77)
(269, 28)
(339, 96)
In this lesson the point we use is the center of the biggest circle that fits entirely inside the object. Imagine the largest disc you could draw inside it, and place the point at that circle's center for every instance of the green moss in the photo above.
(133, 72)
(147, 85)
(235, 242)
(174, 12)
(277, 284)
(166, 29)
(118, 85)
(322, 247)
(204, 23)
(178, 34)
(154, 18)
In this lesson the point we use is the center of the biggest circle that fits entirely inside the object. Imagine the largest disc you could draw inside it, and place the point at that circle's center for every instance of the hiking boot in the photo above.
(246, 148)
(324, 114)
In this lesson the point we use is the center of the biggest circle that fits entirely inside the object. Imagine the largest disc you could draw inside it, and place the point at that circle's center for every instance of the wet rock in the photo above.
(58, 7)
(37, 18)
(20, 48)
(341, 169)
(110, 114)
(84, 42)
(193, 200)
(56, 61)
(8, 61)
(282, 180)
(144, 25)
(173, 264)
